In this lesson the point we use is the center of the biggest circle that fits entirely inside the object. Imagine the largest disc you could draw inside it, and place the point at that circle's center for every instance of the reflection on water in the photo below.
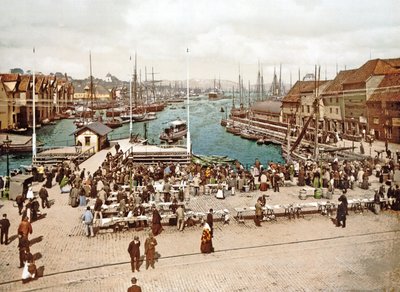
(207, 135)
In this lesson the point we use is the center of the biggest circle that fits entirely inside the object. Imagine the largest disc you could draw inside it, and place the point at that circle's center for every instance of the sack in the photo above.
(25, 272)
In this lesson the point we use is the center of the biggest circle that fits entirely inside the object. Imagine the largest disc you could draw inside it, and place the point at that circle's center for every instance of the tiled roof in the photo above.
(388, 89)
(8, 77)
(24, 83)
(39, 81)
(97, 128)
(336, 84)
(393, 62)
(372, 67)
(299, 87)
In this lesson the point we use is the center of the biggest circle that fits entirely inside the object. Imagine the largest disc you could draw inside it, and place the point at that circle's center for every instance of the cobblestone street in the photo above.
(302, 254)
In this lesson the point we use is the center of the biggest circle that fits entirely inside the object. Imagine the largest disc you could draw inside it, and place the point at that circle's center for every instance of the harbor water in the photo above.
(207, 135)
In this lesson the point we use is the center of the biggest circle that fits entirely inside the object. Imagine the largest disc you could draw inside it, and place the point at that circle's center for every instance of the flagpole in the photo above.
(187, 96)
(130, 100)
(34, 112)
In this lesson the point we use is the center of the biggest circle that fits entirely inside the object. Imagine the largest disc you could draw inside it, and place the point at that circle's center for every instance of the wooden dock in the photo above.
(151, 154)
(56, 155)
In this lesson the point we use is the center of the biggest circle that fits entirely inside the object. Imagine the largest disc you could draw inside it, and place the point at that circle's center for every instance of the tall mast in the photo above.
(135, 82)
(280, 80)
(249, 94)
(130, 99)
(91, 80)
(34, 111)
(187, 97)
(316, 148)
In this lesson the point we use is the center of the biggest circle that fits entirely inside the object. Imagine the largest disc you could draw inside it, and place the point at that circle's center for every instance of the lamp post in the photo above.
(7, 144)
(353, 131)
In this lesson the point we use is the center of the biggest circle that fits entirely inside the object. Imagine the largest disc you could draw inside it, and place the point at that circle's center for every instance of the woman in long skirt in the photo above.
(206, 240)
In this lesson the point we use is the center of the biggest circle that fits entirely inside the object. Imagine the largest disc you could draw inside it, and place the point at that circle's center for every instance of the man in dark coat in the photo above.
(23, 246)
(210, 221)
(4, 225)
(341, 212)
(44, 196)
(134, 287)
(134, 252)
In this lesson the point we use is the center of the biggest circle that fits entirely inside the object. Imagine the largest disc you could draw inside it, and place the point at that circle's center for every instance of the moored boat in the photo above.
(250, 135)
(113, 123)
(176, 130)
(233, 129)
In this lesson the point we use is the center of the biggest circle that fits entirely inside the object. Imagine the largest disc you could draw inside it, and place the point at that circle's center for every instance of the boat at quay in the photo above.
(207, 135)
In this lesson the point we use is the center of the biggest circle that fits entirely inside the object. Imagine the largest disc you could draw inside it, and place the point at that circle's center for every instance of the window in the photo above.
(330, 110)
(87, 140)
(376, 121)
(337, 100)
(330, 100)
(308, 109)
(337, 111)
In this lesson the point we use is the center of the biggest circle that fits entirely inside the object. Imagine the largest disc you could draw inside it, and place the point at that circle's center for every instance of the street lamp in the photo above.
(7, 144)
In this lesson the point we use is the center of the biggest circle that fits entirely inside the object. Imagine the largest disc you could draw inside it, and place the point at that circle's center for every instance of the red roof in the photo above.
(299, 87)
(337, 83)
(8, 77)
(372, 67)
(388, 89)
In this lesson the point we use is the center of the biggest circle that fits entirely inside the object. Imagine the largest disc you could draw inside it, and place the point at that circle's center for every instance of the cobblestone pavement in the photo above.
(305, 254)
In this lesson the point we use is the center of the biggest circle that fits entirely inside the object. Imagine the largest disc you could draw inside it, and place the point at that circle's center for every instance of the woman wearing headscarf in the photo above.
(206, 240)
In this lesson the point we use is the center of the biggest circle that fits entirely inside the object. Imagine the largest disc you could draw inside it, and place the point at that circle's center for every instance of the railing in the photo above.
(85, 155)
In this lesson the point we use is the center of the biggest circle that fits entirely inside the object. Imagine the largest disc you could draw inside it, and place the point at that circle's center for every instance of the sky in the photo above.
(223, 37)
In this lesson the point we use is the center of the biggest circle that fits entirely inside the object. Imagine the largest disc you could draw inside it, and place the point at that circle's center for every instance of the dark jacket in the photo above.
(134, 249)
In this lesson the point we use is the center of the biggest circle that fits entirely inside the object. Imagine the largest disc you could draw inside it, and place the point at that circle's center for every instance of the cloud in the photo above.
(221, 35)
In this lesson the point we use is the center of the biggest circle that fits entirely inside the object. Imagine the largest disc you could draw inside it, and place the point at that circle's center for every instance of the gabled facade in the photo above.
(384, 109)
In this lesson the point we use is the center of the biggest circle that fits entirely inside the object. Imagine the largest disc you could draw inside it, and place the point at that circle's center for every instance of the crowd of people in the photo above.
(137, 185)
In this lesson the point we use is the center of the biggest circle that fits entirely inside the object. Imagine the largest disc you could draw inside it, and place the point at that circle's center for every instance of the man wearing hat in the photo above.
(150, 250)
(134, 252)
(4, 225)
(134, 287)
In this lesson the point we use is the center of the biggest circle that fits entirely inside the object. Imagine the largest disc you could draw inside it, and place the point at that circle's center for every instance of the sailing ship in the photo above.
(176, 130)
(217, 92)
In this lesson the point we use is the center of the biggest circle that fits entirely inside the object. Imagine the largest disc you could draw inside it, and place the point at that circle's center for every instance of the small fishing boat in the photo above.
(233, 129)
(113, 123)
(176, 130)
(250, 135)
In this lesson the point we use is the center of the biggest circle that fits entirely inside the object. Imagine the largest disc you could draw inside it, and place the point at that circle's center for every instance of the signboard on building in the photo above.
(396, 122)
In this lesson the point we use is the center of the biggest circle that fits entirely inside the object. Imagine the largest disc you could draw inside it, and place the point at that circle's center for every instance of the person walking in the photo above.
(97, 210)
(210, 221)
(134, 287)
(258, 213)
(134, 252)
(156, 222)
(150, 250)
(44, 196)
(20, 203)
(23, 247)
(180, 216)
(4, 225)
(341, 212)
(25, 228)
(87, 218)
(206, 240)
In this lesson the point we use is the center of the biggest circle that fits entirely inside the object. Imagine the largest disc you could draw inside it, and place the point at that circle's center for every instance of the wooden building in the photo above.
(92, 135)
(384, 109)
